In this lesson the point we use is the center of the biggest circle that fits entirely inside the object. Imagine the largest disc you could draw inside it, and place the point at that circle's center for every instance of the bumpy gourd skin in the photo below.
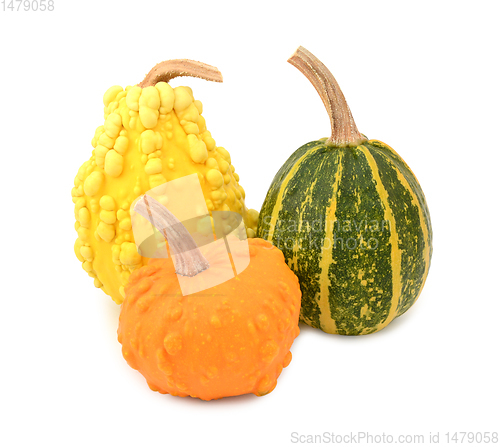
(228, 340)
(149, 136)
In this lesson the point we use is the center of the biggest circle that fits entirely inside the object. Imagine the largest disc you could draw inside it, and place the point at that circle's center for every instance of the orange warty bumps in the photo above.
(228, 340)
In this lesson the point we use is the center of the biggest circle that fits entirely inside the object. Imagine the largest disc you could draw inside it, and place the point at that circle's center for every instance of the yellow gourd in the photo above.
(152, 134)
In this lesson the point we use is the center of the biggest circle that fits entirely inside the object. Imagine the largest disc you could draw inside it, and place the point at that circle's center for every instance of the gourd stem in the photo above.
(167, 70)
(189, 260)
(344, 130)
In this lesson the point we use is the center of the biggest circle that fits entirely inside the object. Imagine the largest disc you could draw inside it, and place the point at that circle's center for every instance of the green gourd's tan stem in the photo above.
(167, 70)
(344, 130)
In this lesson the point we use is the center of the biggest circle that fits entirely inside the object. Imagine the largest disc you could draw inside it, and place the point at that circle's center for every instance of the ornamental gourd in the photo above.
(351, 219)
(227, 340)
(152, 134)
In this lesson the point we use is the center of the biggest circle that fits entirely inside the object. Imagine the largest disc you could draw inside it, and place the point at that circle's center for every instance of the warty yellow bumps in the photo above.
(152, 134)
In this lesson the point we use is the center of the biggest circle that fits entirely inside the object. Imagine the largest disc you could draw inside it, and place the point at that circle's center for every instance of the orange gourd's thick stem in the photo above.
(188, 258)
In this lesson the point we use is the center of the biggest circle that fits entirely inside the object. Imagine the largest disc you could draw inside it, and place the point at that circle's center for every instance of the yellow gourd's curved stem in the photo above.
(167, 70)
(344, 130)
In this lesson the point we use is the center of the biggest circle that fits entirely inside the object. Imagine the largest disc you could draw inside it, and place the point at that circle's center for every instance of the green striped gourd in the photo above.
(351, 220)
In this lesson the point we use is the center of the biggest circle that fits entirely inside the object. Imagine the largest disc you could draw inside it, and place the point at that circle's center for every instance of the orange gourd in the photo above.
(228, 340)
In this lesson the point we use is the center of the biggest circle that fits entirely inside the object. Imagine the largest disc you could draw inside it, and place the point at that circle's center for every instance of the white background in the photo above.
(420, 76)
